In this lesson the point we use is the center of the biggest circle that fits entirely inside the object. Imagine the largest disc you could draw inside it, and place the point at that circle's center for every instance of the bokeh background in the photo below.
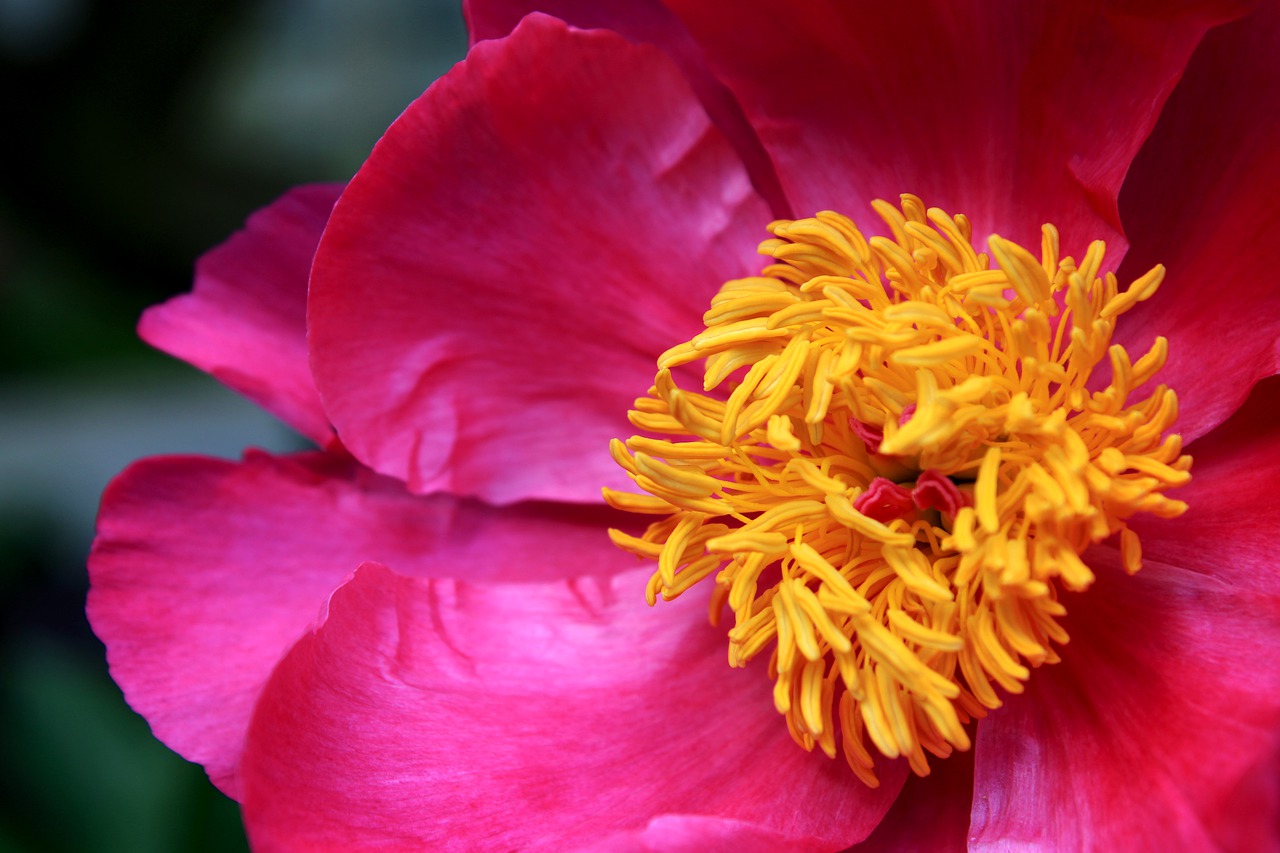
(137, 135)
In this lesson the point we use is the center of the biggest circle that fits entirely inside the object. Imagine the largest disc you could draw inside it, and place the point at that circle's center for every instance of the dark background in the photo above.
(135, 136)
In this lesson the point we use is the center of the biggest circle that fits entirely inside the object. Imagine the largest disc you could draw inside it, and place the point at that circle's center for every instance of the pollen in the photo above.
(890, 453)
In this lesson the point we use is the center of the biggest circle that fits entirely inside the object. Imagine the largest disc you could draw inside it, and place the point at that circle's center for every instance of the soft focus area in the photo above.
(140, 135)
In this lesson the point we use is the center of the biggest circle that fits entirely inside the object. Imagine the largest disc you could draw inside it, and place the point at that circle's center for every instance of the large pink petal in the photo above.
(452, 716)
(1162, 723)
(205, 571)
(1201, 198)
(645, 22)
(245, 320)
(495, 284)
(1013, 113)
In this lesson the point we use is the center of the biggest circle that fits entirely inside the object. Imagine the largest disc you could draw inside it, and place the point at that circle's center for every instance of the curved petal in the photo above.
(452, 716)
(931, 813)
(497, 281)
(646, 22)
(689, 834)
(1015, 114)
(1230, 530)
(205, 571)
(1201, 199)
(245, 320)
(1170, 678)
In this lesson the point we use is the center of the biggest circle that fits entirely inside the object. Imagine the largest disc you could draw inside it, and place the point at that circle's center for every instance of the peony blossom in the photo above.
(420, 635)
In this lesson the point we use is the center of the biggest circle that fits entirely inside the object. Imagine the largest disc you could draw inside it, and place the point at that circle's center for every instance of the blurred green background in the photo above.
(139, 135)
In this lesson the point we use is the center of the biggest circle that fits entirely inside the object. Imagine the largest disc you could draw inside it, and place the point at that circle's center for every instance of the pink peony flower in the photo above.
(420, 636)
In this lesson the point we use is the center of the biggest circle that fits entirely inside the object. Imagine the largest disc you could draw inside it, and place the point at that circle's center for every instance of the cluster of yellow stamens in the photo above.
(893, 463)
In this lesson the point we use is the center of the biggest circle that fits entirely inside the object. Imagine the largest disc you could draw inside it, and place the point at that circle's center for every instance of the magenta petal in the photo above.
(245, 320)
(646, 22)
(1164, 704)
(452, 716)
(686, 834)
(1162, 722)
(931, 813)
(1233, 524)
(496, 283)
(205, 571)
(1201, 199)
(1013, 113)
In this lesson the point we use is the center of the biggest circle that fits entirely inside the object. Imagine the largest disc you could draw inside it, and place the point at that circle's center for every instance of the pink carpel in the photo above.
(871, 435)
(935, 491)
(884, 500)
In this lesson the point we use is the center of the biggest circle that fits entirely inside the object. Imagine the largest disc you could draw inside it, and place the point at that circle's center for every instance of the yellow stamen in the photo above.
(895, 630)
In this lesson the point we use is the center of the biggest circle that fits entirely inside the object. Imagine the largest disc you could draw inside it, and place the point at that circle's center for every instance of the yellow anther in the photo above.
(938, 353)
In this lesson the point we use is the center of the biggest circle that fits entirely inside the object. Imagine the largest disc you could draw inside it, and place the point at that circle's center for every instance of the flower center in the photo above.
(893, 465)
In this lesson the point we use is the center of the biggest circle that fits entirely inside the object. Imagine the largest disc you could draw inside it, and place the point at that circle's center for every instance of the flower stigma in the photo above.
(893, 466)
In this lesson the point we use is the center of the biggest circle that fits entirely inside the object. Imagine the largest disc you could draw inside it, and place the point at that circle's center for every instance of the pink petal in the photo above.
(205, 571)
(1230, 530)
(932, 812)
(686, 834)
(1012, 113)
(1162, 723)
(452, 716)
(245, 320)
(497, 281)
(645, 22)
(1201, 199)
